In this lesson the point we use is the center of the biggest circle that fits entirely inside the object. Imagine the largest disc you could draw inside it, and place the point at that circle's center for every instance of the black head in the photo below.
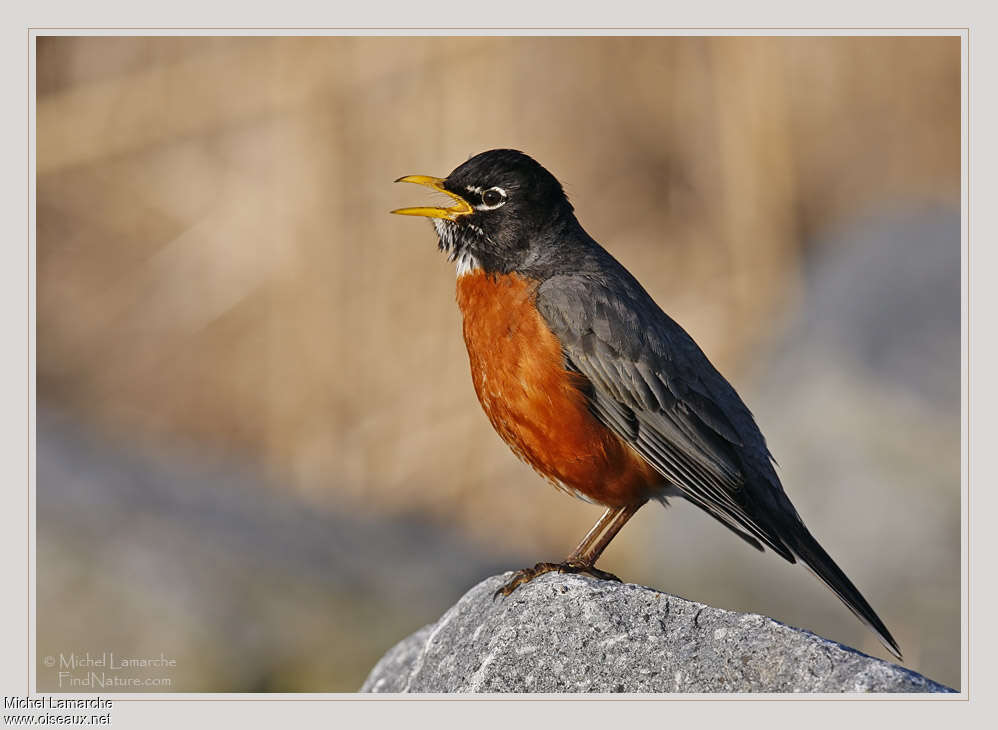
(507, 205)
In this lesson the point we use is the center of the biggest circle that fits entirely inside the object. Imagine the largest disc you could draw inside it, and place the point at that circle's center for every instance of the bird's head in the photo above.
(505, 205)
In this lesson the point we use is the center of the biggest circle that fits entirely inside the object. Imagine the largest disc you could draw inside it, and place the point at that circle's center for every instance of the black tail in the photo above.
(814, 556)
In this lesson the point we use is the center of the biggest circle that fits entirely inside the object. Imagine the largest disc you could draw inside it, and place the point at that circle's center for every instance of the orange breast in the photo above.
(534, 403)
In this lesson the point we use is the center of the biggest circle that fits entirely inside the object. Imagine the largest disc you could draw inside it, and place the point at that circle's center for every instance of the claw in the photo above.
(525, 576)
(528, 574)
(595, 573)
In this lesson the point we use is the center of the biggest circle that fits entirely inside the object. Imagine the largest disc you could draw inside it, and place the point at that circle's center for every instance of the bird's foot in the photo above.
(525, 576)
(569, 566)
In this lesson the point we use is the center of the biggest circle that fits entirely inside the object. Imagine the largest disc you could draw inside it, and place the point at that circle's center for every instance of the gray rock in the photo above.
(570, 633)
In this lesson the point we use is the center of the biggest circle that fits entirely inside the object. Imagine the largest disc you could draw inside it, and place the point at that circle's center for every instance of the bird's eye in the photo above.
(494, 197)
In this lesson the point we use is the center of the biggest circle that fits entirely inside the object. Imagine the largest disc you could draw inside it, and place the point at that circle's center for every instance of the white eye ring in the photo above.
(493, 198)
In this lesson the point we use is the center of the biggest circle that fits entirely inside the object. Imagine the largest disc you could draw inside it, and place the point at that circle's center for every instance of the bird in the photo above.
(592, 384)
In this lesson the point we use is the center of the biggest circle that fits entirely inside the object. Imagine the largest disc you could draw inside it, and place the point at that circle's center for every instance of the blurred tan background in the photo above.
(259, 450)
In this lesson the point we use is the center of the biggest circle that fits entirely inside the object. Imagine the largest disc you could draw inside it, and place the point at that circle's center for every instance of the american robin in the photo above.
(592, 384)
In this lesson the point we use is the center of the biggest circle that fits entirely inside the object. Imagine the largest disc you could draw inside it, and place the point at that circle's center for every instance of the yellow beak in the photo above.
(460, 207)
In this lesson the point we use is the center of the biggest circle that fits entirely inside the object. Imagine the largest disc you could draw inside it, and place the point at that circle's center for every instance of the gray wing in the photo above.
(654, 387)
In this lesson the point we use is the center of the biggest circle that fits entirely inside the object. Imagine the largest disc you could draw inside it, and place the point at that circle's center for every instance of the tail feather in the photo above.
(805, 547)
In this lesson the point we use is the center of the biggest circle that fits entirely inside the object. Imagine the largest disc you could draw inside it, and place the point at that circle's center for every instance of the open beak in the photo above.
(460, 207)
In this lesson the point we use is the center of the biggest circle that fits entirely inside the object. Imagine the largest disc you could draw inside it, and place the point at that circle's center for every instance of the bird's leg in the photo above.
(584, 557)
(528, 574)
(605, 519)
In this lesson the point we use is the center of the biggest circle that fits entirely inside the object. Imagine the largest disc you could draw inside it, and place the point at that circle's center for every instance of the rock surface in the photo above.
(570, 633)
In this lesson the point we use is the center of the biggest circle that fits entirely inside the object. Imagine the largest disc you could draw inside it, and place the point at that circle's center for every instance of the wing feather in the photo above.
(653, 395)
(647, 380)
